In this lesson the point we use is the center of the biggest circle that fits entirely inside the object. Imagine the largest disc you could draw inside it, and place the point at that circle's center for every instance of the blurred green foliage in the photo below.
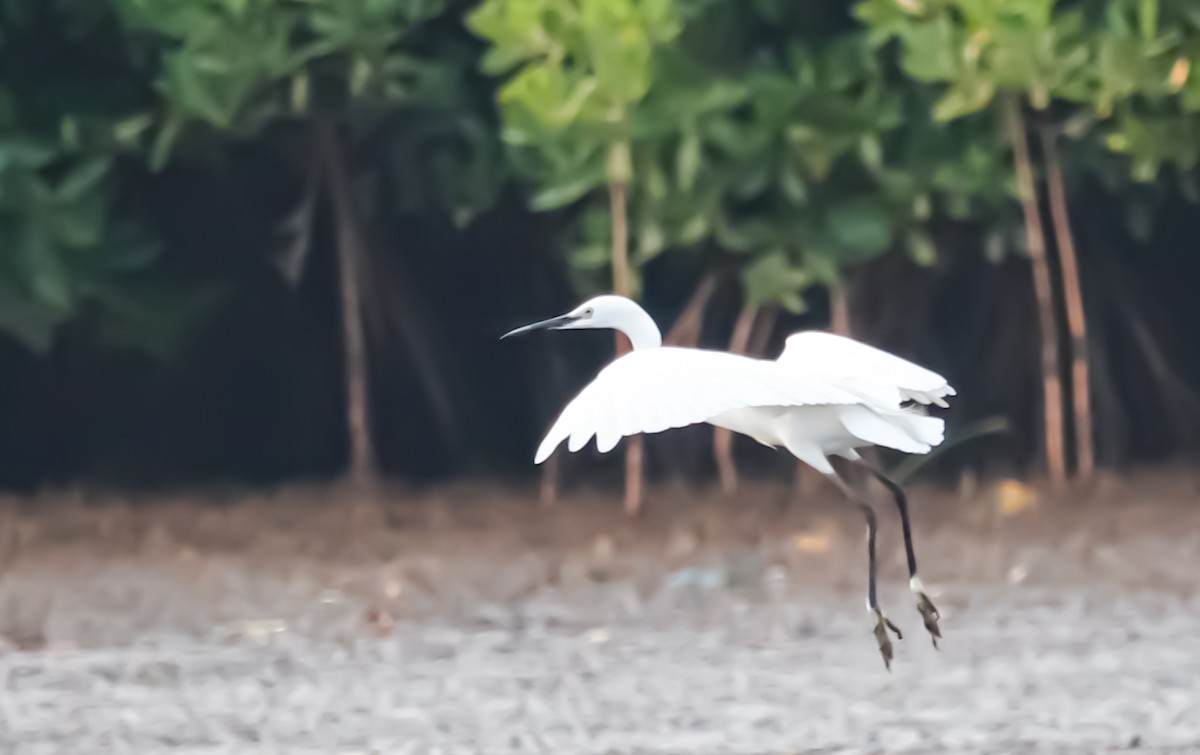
(68, 245)
(802, 139)
(379, 68)
(1124, 67)
(64, 250)
(583, 107)
(187, 80)
(237, 65)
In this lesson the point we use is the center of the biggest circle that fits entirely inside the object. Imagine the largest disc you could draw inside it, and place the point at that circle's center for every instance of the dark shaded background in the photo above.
(258, 397)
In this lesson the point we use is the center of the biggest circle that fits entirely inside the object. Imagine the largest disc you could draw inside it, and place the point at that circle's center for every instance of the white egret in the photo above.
(825, 395)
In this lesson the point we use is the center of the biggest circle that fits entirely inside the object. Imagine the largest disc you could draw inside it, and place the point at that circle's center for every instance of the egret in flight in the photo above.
(825, 395)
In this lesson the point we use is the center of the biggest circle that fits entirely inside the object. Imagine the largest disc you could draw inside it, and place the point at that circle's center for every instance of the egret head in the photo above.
(606, 311)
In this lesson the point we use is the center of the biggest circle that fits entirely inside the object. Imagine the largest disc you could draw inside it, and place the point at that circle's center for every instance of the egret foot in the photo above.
(882, 624)
(929, 612)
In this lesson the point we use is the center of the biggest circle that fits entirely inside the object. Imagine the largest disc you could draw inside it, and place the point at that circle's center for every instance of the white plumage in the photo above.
(845, 360)
(824, 396)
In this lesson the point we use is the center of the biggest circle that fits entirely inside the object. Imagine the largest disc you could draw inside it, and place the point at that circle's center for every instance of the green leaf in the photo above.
(921, 248)
(871, 152)
(193, 90)
(965, 97)
(25, 153)
(360, 76)
(590, 257)
(83, 178)
(68, 133)
(771, 279)
(655, 182)
(160, 152)
(573, 106)
(44, 270)
(687, 161)
(694, 230)
(931, 49)
(651, 239)
(565, 193)
(922, 207)
(1148, 20)
(822, 266)
(860, 225)
(792, 183)
(129, 131)
(813, 147)
(743, 235)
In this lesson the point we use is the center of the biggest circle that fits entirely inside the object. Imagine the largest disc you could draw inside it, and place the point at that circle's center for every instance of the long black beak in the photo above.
(551, 324)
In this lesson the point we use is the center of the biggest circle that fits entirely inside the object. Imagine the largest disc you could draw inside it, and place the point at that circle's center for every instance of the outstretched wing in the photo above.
(855, 364)
(653, 390)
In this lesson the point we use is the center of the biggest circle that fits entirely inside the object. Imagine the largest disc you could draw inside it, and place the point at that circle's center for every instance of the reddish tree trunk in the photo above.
(687, 327)
(362, 468)
(1035, 239)
(1085, 459)
(722, 438)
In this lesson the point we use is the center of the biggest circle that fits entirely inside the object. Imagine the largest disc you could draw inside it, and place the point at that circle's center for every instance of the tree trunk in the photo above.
(839, 311)
(723, 438)
(763, 329)
(548, 490)
(1085, 460)
(1036, 241)
(362, 468)
(619, 169)
(686, 329)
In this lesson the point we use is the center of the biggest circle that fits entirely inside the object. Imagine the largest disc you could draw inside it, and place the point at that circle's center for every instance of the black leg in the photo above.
(882, 623)
(929, 613)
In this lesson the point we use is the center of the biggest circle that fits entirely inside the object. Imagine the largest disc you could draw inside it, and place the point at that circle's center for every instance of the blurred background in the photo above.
(255, 257)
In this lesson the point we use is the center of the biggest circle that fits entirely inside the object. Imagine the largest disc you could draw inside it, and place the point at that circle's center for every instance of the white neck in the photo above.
(640, 328)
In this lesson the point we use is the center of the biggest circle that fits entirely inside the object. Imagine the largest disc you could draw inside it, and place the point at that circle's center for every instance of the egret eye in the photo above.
(588, 312)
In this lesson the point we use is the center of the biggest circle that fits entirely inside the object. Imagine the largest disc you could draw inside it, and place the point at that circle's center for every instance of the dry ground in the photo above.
(470, 621)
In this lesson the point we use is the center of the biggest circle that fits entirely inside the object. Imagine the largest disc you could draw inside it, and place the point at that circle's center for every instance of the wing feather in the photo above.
(881, 430)
(859, 366)
(654, 390)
